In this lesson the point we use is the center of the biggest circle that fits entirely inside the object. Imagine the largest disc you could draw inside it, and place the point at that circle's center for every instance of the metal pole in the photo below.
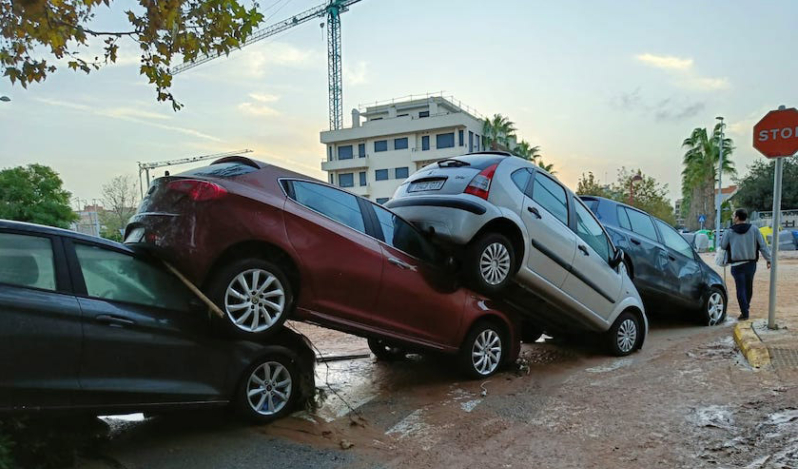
(719, 201)
(774, 264)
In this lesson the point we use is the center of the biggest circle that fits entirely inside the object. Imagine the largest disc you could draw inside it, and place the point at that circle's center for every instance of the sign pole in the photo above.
(719, 199)
(774, 264)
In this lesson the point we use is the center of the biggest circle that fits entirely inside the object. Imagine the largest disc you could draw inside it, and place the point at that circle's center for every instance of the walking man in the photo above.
(743, 243)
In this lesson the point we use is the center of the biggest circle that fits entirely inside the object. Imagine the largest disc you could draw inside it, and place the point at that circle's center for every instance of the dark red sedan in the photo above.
(267, 244)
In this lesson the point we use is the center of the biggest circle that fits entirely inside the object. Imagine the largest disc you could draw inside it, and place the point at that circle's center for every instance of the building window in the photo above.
(425, 143)
(423, 114)
(361, 150)
(476, 137)
(400, 143)
(329, 153)
(362, 178)
(401, 115)
(444, 140)
(460, 138)
(332, 178)
(470, 141)
(346, 180)
(381, 175)
(345, 152)
(382, 200)
(401, 173)
(380, 145)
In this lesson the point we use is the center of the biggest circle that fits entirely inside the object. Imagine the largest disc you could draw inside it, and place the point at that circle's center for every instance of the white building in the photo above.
(397, 138)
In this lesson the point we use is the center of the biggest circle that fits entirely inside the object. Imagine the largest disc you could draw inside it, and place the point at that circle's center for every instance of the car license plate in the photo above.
(135, 236)
(433, 185)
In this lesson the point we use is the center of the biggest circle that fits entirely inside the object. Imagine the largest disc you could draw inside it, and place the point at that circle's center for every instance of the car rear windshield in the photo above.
(221, 170)
(480, 162)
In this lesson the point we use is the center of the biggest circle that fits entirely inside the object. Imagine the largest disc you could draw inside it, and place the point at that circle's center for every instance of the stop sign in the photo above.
(777, 133)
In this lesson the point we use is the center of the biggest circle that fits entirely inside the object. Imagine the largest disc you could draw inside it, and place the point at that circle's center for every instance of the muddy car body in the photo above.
(91, 325)
(339, 260)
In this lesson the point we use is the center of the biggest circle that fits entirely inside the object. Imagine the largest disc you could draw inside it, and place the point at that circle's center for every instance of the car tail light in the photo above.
(197, 190)
(480, 185)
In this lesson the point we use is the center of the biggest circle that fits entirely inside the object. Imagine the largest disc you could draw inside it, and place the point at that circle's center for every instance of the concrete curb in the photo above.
(752, 347)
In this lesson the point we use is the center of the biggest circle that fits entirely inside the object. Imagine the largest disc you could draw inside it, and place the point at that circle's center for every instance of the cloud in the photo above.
(258, 110)
(358, 75)
(684, 71)
(264, 98)
(669, 109)
(667, 62)
(130, 115)
(258, 60)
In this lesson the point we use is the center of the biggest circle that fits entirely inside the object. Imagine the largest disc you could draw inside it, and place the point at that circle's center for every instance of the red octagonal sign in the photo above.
(776, 134)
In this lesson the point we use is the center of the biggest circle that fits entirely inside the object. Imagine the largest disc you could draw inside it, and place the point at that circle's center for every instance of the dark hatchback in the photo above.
(88, 324)
(668, 273)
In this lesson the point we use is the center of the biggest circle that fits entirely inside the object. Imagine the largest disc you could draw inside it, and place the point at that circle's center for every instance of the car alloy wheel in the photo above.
(486, 353)
(715, 308)
(254, 300)
(494, 264)
(269, 388)
(627, 335)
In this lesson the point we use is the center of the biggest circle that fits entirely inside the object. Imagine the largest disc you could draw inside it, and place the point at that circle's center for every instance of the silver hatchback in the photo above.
(511, 220)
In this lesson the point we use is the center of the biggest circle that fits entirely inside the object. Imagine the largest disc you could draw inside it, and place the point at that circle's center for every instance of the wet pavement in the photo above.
(686, 399)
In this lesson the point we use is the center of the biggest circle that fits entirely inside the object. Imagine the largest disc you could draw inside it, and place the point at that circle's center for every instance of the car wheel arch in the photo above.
(508, 228)
(261, 250)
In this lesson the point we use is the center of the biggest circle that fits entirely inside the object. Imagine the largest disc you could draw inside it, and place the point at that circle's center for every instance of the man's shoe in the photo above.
(742, 318)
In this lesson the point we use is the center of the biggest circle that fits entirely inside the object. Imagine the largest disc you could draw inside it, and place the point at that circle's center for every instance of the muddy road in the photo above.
(686, 400)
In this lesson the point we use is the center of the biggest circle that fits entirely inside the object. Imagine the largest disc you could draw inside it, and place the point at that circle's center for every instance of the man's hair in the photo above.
(741, 214)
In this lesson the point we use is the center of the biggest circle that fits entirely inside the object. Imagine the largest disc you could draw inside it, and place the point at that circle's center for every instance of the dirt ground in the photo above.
(688, 399)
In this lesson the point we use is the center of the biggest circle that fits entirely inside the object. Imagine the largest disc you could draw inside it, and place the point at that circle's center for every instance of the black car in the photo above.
(88, 324)
(668, 273)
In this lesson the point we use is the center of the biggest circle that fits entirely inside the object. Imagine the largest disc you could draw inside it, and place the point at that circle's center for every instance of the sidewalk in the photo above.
(761, 346)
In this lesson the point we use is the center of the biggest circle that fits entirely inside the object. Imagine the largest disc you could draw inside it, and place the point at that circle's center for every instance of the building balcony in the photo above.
(363, 191)
(351, 163)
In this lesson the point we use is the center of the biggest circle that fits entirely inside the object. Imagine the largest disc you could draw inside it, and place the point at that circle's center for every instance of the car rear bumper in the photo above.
(454, 219)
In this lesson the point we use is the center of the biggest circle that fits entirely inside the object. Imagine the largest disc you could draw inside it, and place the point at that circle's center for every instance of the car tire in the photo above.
(255, 296)
(624, 335)
(481, 355)
(268, 389)
(490, 263)
(385, 351)
(713, 311)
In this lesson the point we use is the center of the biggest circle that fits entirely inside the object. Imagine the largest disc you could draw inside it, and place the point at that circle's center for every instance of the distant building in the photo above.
(677, 210)
(726, 193)
(372, 158)
(88, 220)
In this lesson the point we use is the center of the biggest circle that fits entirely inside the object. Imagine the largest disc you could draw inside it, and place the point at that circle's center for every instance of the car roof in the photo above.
(34, 228)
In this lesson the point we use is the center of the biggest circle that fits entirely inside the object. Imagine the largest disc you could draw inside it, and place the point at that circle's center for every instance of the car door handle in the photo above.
(401, 264)
(667, 254)
(534, 211)
(635, 241)
(584, 250)
(114, 320)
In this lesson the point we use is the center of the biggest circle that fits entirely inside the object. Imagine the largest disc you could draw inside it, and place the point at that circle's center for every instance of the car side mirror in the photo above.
(617, 258)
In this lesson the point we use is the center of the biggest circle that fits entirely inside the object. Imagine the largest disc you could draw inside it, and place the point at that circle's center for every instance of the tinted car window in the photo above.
(590, 231)
(26, 261)
(338, 205)
(591, 204)
(520, 179)
(550, 196)
(114, 276)
(623, 219)
(641, 224)
(401, 235)
(221, 170)
(480, 162)
(674, 240)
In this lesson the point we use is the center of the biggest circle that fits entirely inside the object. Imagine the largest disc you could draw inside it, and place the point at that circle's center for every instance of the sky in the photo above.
(599, 85)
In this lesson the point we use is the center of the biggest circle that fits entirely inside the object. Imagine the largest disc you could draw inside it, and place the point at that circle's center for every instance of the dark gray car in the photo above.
(88, 324)
(668, 273)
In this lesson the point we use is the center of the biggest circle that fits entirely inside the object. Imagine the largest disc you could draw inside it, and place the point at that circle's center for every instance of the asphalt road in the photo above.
(686, 399)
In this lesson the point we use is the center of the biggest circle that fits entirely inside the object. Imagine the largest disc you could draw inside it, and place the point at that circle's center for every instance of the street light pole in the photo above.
(720, 184)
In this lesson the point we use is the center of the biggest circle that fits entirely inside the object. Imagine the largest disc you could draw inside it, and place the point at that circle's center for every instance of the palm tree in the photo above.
(547, 167)
(524, 151)
(700, 171)
(497, 131)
